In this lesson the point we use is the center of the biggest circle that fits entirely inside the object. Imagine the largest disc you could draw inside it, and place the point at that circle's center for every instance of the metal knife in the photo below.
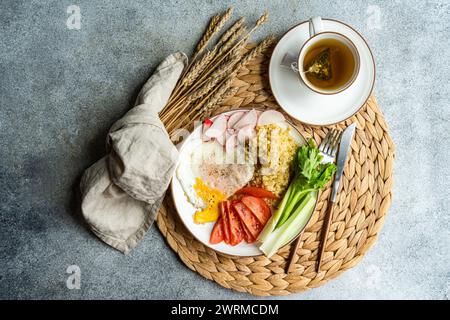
(344, 147)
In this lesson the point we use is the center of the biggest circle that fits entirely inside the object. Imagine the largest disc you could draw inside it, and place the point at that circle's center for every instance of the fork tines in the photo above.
(330, 143)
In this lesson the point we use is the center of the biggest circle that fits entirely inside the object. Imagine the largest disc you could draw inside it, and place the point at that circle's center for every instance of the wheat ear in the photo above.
(222, 93)
(217, 99)
(224, 38)
(198, 67)
(220, 57)
(207, 36)
(263, 19)
(210, 100)
(214, 27)
(259, 49)
(201, 88)
(216, 24)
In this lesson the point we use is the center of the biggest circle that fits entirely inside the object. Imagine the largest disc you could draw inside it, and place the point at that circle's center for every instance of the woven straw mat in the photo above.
(361, 206)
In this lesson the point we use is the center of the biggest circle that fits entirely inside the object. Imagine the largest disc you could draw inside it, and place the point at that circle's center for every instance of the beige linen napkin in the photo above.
(122, 192)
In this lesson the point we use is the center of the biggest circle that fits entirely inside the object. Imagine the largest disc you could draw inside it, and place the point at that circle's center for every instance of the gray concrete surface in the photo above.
(61, 89)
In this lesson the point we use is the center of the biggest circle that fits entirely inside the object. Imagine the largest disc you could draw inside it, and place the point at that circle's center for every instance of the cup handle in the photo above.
(315, 26)
(290, 61)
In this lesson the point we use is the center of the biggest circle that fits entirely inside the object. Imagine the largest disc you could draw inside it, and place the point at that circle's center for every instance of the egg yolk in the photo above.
(211, 198)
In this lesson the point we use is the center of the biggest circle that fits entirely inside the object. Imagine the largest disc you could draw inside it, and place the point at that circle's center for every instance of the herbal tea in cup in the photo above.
(328, 63)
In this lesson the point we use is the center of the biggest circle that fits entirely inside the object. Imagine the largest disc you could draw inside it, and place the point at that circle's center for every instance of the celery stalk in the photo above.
(293, 202)
(295, 223)
(273, 221)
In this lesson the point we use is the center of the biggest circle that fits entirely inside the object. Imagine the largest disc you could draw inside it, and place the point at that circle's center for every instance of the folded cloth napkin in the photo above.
(122, 192)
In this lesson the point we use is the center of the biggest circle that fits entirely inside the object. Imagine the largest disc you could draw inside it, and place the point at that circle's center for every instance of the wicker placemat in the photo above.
(362, 204)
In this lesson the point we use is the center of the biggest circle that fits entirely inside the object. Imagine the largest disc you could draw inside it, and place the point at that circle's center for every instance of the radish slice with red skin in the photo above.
(206, 125)
(246, 133)
(218, 127)
(270, 117)
(249, 119)
(234, 118)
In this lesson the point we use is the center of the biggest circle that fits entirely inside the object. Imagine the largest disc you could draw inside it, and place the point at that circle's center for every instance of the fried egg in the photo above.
(208, 177)
(187, 177)
(211, 198)
(220, 170)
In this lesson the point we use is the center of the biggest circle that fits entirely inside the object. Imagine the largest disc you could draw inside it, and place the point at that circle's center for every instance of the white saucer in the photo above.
(310, 107)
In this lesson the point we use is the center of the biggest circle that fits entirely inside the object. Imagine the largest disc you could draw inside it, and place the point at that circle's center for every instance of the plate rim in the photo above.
(372, 82)
(207, 245)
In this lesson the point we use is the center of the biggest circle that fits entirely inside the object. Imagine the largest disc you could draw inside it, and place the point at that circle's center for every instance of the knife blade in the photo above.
(344, 148)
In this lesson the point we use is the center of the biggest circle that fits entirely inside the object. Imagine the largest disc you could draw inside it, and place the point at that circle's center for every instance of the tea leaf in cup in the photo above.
(320, 66)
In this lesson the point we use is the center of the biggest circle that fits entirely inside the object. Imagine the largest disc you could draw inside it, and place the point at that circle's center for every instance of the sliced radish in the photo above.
(208, 122)
(249, 119)
(270, 117)
(234, 118)
(206, 125)
(221, 139)
(224, 137)
(246, 133)
(231, 143)
(218, 127)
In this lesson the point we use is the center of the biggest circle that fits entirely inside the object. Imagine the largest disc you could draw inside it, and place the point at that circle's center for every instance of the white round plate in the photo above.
(186, 210)
(310, 107)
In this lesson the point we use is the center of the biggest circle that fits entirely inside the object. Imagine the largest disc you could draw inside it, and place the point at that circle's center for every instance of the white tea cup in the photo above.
(317, 34)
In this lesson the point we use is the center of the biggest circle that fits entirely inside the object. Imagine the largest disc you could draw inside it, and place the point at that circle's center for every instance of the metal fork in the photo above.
(328, 149)
(330, 145)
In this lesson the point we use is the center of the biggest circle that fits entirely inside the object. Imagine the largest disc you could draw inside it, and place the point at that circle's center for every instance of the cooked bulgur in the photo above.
(276, 151)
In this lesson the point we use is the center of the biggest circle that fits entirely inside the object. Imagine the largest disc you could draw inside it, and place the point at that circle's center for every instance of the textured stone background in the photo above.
(61, 89)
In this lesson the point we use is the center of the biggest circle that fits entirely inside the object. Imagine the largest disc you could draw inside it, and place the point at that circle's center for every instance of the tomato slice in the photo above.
(217, 232)
(236, 230)
(248, 219)
(225, 220)
(257, 192)
(247, 235)
(258, 207)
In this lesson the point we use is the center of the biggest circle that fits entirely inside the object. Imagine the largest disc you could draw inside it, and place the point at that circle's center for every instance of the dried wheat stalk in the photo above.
(216, 24)
(219, 95)
(220, 70)
(209, 33)
(198, 67)
(231, 44)
(215, 77)
(260, 48)
(236, 35)
(223, 93)
(206, 104)
(207, 80)
(263, 19)
(237, 25)
(214, 27)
